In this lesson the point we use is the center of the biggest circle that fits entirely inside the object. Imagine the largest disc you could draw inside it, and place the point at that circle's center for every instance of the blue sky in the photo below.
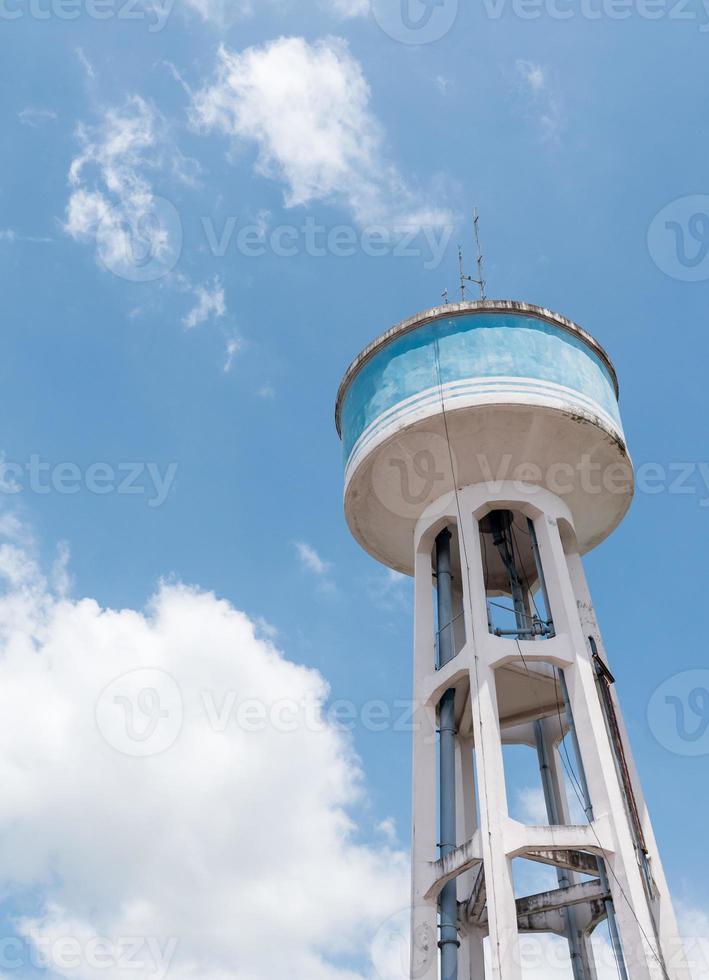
(220, 371)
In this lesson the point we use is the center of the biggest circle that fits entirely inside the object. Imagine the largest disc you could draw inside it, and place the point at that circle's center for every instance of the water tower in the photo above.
(484, 455)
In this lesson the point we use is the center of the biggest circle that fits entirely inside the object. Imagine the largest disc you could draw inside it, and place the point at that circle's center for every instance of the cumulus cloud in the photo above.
(306, 107)
(113, 204)
(170, 780)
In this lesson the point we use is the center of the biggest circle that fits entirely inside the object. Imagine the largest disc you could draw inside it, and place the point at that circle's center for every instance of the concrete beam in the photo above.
(462, 859)
(472, 912)
(542, 912)
(561, 898)
(586, 864)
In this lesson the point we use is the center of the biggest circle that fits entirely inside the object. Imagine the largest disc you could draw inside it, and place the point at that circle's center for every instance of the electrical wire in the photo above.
(515, 546)
(508, 609)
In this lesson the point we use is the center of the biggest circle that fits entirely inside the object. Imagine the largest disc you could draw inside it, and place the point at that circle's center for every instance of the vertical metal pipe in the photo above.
(588, 808)
(501, 537)
(540, 568)
(449, 942)
(444, 583)
(449, 896)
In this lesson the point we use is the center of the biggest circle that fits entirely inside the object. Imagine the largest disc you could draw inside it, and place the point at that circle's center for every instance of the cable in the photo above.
(515, 545)
(499, 605)
(576, 786)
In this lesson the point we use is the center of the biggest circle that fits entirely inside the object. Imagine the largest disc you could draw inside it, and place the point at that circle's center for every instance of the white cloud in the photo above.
(532, 808)
(387, 828)
(34, 116)
(541, 101)
(10, 235)
(222, 13)
(233, 346)
(694, 928)
(89, 70)
(307, 109)
(347, 8)
(238, 832)
(112, 203)
(533, 75)
(389, 590)
(211, 303)
(311, 560)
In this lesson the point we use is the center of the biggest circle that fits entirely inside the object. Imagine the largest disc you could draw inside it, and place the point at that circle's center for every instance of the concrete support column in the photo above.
(471, 961)
(501, 907)
(492, 792)
(472, 956)
(424, 912)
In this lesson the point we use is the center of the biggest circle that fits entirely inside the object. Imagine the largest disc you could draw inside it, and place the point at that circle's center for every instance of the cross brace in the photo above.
(541, 912)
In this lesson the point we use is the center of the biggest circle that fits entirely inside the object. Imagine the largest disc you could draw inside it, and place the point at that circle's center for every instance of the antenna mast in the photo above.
(463, 277)
(481, 278)
(480, 281)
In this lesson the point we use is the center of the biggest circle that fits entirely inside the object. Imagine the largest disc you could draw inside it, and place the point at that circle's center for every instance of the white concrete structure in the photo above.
(484, 454)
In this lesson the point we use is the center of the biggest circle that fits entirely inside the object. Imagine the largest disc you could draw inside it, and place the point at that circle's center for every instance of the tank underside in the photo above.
(401, 469)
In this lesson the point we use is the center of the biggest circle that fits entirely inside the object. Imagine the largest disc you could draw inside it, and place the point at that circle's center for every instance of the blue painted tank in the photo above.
(489, 390)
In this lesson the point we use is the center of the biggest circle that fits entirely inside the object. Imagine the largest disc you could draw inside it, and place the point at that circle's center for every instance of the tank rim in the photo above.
(458, 309)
